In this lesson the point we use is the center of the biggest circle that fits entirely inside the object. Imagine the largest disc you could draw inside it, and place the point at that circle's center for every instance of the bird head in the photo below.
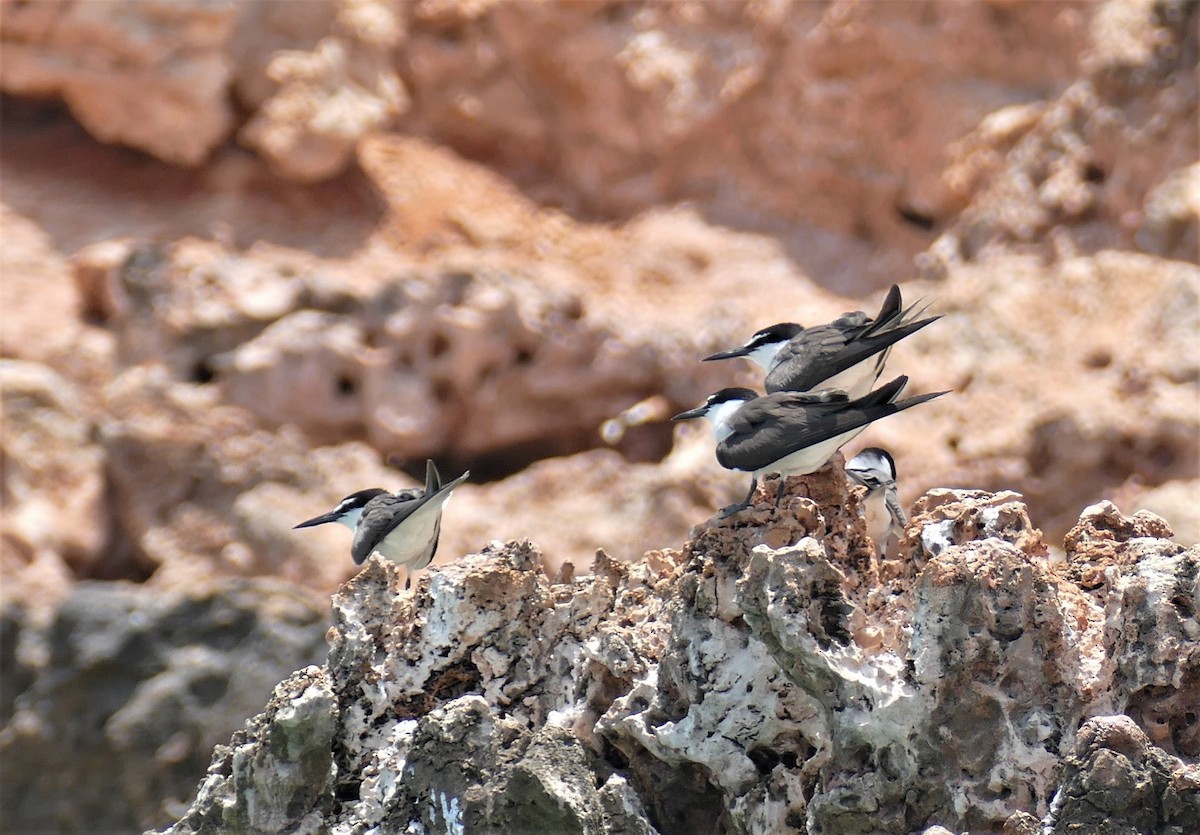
(763, 346)
(347, 511)
(719, 405)
(872, 467)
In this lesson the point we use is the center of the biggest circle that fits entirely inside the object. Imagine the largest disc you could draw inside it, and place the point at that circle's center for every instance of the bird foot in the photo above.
(732, 510)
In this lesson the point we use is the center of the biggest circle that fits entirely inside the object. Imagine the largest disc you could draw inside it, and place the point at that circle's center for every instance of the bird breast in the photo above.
(412, 542)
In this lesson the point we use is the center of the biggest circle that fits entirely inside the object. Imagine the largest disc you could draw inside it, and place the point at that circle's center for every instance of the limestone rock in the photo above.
(330, 96)
(731, 687)
(279, 763)
(648, 104)
(150, 75)
(607, 112)
(1079, 173)
(1171, 216)
(33, 292)
(508, 280)
(135, 688)
(1118, 783)
(48, 453)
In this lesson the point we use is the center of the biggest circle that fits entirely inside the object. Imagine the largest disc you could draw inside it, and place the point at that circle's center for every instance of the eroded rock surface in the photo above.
(197, 356)
(763, 679)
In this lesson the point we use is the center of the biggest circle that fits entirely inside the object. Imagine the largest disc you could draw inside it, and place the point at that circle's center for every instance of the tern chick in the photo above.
(875, 469)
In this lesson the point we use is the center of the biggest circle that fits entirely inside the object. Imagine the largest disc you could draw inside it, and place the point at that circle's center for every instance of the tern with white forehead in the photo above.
(403, 527)
(847, 354)
(875, 469)
(792, 433)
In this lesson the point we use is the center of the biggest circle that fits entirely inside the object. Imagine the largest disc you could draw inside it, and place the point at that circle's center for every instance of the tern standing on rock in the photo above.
(847, 354)
(792, 433)
(403, 527)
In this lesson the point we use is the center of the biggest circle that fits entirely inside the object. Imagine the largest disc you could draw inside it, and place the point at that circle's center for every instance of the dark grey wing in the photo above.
(433, 479)
(833, 352)
(767, 428)
(802, 363)
(383, 514)
(891, 312)
(866, 478)
(380, 517)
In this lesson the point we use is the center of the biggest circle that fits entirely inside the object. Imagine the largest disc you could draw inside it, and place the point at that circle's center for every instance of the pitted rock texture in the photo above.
(766, 678)
(1118, 783)
(208, 350)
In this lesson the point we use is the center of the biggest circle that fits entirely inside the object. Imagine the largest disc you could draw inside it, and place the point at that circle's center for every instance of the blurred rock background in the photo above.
(252, 252)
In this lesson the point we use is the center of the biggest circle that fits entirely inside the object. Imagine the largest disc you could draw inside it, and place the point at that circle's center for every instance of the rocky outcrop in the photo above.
(606, 108)
(1086, 171)
(111, 710)
(152, 75)
(197, 354)
(766, 678)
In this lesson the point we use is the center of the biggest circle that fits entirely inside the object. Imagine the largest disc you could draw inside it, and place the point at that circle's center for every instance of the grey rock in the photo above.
(140, 684)
(1118, 782)
(275, 771)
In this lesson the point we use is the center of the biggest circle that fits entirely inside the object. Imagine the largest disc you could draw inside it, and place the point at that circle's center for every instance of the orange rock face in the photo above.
(339, 238)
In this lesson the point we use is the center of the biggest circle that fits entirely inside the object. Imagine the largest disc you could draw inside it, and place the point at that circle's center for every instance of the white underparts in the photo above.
(809, 459)
(857, 380)
(411, 542)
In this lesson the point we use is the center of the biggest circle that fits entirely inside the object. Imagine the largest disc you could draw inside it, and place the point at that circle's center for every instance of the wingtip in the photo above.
(433, 479)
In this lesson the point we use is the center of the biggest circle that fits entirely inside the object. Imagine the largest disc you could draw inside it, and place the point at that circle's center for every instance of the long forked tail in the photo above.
(885, 394)
(893, 315)
(888, 392)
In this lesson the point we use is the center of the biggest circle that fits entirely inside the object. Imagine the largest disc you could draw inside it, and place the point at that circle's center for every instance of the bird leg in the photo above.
(407, 579)
(745, 503)
(779, 491)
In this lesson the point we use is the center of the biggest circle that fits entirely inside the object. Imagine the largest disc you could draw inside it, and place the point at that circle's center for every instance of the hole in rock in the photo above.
(648, 443)
(914, 217)
(207, 690)
(1167, 715)
(764, 759)
(203, 372)
(442, 390)
(679, 800)
(439, 345)
(614, 756)
(349, 792)
(1098, 359)
(345, 386)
